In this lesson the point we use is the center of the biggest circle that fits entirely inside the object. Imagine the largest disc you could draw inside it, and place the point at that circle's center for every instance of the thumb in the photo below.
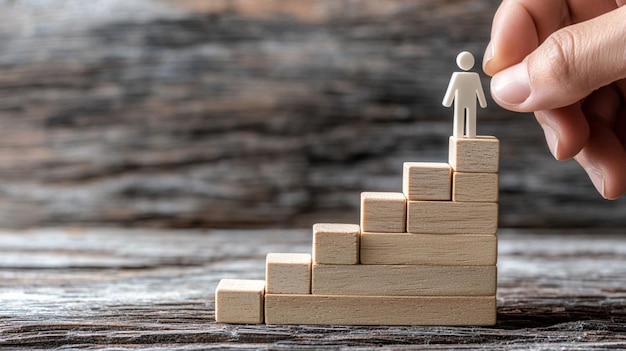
(569, 65)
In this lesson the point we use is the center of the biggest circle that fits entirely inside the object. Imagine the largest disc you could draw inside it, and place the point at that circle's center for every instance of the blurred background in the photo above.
(249, 113)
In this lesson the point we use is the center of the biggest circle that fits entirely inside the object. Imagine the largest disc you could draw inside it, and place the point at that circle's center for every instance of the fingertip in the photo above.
(552, 139)
(487, 57)
(615, 195)
(615, 178)
(513, 37)
(510, 88)
(604, 160)
(566, 129)
(609, 182)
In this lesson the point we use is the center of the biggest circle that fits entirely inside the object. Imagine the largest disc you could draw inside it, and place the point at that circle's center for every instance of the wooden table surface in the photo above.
(138, 289)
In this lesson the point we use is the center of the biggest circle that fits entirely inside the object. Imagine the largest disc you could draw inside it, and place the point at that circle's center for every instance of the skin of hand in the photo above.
(565, 60)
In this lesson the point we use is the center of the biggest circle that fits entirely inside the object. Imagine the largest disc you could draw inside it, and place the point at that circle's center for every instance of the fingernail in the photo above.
(552, 140)
(511, 86)
(597, 178)
(488, 55)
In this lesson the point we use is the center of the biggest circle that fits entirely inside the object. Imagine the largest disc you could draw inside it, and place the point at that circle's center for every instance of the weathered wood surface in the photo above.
(244, 113)
(140, 289)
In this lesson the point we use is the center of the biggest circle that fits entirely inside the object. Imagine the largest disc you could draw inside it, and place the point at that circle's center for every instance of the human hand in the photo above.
(565, 60)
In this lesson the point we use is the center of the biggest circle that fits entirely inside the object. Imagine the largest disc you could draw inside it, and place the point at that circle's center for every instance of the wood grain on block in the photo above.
(239, 301)
(383, 212)
(475, 187)
(403, 280)
(426, 181)
(380, 310)
(288, 273)
(446, 217)
(429, 249)
(480, 154)
(335, 243)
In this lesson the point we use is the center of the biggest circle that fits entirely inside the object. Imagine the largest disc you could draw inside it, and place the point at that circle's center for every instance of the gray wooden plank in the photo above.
(142, 288)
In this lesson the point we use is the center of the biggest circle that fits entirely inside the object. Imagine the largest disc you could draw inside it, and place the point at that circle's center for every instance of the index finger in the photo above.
(520, 26)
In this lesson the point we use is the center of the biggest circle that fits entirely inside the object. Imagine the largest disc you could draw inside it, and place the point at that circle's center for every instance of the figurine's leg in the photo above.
(470, 125)
(459, 121)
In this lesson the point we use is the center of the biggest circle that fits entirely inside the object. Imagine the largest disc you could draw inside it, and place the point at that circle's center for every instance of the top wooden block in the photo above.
(480, 154)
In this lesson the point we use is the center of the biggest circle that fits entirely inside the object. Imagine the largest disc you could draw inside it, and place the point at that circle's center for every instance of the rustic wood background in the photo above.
(248, 113)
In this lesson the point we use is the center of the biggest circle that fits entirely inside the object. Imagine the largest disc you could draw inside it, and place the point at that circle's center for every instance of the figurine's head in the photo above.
(465, 61)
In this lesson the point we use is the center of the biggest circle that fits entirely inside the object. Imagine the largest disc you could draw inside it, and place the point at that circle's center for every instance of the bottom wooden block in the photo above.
(380, 310)
(239, 301)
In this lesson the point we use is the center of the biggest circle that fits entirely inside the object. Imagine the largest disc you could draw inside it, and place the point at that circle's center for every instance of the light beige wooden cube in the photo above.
(447, 217)
(475, 187)
(288, 273)
(335, 243)
(383, 212)
(427, 181)
(479, 155)
(240, 301)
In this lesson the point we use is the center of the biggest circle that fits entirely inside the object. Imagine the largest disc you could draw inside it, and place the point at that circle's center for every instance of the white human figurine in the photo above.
(463, 89)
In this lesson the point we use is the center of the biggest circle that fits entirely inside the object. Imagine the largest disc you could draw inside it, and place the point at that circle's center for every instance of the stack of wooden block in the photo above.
(425, 256)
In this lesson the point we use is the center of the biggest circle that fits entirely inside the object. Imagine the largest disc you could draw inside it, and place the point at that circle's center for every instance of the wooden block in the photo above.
(288, 273)
(446, 217)
(380, 310)
(239, 301)
(427, 181)
(475, 187)
(336, 243)
(429, 249)
(480, 154)
(383, 212)
(403, 280)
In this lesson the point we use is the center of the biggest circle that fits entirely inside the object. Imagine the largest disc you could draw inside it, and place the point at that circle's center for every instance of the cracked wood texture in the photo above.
(147, 289)
(248, 113)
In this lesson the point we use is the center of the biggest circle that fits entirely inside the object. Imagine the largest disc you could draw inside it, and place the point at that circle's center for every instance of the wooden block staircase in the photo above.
(423, 256)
